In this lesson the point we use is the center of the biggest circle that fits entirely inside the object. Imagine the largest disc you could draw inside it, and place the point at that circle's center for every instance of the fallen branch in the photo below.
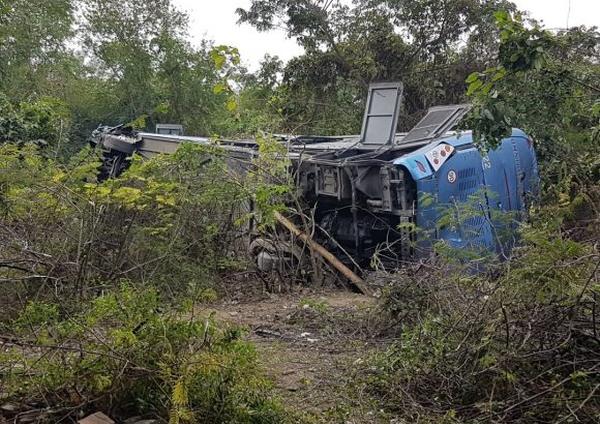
(325, 254)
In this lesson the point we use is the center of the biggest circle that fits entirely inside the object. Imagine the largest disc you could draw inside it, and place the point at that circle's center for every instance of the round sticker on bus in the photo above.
(451, 176)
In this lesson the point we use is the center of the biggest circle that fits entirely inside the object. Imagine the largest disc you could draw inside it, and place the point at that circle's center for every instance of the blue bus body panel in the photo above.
(485, 195)
(464, 201)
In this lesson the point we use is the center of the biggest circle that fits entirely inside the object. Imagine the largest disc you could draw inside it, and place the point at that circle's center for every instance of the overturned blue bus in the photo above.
(382, 193)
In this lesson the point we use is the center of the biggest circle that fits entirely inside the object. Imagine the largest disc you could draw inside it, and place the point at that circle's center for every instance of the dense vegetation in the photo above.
(102, 285)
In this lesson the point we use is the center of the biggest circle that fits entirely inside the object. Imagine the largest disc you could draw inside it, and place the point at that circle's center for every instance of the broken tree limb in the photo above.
(325, 254)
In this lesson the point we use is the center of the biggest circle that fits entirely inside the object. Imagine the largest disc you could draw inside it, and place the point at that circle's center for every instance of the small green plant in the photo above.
(320, 306)
(269, 181)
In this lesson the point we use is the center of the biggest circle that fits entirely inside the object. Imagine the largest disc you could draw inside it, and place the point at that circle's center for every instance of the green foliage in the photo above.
(121, 353)
(154, 71)
(522, 50)
(226, 59)
(171, 217)
(505, 348)
(546, 84)
(269, 180)
(90, 341)
(124, 60)
(348, 45)
(43, 122)
(32, 37)
(540, 83)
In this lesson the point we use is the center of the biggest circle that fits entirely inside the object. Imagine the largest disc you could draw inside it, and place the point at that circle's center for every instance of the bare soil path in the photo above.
(310, 344)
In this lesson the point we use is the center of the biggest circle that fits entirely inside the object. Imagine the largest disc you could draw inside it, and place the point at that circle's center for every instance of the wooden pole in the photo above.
(325, 254)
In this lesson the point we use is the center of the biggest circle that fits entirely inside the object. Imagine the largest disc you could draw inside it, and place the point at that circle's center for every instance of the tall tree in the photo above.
(32, 39)
(430, 45)
(549, 85)
(127, 37)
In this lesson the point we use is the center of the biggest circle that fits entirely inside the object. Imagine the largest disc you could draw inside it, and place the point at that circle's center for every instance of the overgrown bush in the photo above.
(122, 355)
(169, 222)
(45, 122)
(521, 347)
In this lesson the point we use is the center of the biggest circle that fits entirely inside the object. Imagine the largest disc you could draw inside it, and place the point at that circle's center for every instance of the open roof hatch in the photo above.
(438, 120)
(381, 113)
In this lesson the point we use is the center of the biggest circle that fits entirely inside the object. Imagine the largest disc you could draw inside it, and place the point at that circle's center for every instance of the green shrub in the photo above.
(169, 220)
(123, 355)
(518, 347)
(45, 121)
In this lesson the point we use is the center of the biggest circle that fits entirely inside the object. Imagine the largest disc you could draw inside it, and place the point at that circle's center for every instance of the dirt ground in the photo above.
(310, 343)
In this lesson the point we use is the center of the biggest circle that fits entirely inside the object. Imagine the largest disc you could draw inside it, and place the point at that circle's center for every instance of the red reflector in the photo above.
(421, 166)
